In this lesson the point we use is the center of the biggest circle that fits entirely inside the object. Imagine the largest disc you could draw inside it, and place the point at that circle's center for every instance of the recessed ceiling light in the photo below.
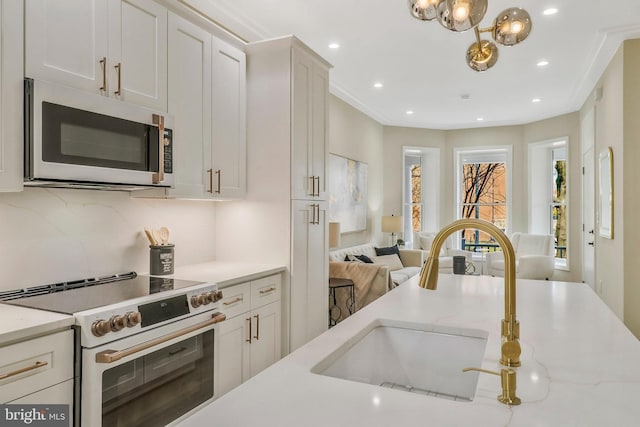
(378, 85)
(409, 112)
(536, 100)
(334, 46)
(550, 11)
(480, 119)
(542, 63)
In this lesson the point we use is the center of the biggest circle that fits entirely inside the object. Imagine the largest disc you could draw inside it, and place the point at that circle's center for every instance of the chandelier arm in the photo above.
(477, 31)
(487, 29)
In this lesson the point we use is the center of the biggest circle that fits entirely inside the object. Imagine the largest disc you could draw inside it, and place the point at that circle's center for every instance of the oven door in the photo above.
(75, 136)
(152, 378)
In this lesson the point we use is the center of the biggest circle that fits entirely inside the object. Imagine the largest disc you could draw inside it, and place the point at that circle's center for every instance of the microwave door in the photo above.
(76, 144)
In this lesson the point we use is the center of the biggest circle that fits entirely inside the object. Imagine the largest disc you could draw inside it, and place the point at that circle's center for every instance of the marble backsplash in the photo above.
(52, 235)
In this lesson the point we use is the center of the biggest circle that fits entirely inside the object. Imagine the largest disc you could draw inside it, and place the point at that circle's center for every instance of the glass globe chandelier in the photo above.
(510, 27)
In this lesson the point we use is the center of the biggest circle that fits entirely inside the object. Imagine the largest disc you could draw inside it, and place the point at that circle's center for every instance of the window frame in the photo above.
(430, 195)
(492, 153)
(540, 203)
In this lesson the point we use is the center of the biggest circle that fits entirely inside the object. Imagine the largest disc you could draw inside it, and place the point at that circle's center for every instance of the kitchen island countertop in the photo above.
(580, 365)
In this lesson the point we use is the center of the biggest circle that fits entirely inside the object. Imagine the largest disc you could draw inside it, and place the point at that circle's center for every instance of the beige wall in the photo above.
(355, 135)
(518, 137)
(609, 268)
(630, 202)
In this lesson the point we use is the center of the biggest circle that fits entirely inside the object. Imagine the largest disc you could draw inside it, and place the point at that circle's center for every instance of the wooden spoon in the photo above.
(164, 235)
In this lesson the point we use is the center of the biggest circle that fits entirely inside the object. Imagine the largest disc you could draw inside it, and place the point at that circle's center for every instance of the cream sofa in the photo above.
(411, 263)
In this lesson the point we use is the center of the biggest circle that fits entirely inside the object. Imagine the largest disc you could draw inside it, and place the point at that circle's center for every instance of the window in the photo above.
(483, 182)
(548, 183)
(420, 187)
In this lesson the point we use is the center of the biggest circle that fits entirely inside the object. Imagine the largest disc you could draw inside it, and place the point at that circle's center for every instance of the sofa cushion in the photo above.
(404, 274)
(392, 261)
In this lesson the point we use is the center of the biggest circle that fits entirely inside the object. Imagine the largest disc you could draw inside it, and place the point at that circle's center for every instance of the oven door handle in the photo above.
(110, 356)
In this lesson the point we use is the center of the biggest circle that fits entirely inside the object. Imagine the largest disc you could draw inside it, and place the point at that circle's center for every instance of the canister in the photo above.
(161, 259)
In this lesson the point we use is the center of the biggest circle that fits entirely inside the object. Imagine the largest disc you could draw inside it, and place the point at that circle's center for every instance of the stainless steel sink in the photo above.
(419, 358)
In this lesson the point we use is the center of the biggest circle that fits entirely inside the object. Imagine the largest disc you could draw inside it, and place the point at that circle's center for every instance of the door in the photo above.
(320, 127)
(65, 42)
(309, 272)
(302, 180)
(588, 200)
(11, 95)
(233, 353)
(137, 67)
(229, 142)
(190, 104)
(265, 339)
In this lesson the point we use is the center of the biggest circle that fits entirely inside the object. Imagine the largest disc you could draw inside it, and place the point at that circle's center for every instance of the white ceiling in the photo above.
(422, 65)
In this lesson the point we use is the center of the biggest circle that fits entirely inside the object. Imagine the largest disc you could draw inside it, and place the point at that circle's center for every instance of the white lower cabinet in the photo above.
(249, 340)
(38, 371)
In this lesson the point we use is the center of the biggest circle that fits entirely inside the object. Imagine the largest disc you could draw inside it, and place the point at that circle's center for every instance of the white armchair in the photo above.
(424, 239)
(535, 257)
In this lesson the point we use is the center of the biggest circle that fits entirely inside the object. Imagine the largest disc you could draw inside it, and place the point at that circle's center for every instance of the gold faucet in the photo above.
(510, 326)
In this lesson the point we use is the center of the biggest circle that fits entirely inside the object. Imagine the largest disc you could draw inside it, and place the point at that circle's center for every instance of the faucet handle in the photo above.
(508, 380)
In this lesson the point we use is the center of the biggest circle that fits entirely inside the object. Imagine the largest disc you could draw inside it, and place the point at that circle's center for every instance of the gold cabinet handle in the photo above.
(317, 193)
(210, 172)
(23, 370)
(158, 177)
(238, 299)
(508, 380)
(267, 291)
(248, 319)
(103, 65)
(110, 356)
(313, 186)
(118, 68)
(219, 173)
(257, 336)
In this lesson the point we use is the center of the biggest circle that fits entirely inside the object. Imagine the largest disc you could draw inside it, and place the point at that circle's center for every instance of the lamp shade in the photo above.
(391, 224)
(334, 234)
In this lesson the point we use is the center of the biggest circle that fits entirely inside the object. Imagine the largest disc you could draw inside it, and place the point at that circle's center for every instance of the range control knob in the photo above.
(217, 295)
(133, 318)
(118, 323)
(198, 300)
(100, 327)
(195, 302)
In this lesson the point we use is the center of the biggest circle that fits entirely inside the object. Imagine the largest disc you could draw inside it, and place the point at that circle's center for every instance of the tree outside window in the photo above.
(559, 205)
(484, 196)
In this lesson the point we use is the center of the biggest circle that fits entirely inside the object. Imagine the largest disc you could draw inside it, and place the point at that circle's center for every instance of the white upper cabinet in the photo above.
(190, 105)
(207, 98)
(116, 48)
(229, 145)
(11, 95)
(309, 123)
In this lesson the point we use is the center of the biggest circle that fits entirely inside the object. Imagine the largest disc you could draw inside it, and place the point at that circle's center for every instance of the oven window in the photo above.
(79, 137)
(159, 387)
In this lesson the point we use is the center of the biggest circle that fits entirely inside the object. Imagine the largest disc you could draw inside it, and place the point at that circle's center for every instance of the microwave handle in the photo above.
(158, 177)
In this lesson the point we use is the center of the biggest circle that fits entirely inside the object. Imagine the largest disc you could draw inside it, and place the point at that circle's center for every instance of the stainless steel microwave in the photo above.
(78, 139)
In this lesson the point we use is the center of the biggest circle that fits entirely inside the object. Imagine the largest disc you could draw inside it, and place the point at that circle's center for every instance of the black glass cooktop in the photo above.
(78, 296)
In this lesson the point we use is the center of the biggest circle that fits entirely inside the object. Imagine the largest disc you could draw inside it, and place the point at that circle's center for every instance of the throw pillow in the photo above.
(388, 251)
(392, 261)
(358, 258)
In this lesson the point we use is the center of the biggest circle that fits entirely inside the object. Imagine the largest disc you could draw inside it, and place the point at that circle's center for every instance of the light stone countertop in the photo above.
(225, 273)
(19, 323)
(580, 365)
